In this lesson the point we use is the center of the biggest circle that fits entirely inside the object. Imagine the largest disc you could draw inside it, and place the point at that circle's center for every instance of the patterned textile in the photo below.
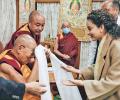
(75, 12)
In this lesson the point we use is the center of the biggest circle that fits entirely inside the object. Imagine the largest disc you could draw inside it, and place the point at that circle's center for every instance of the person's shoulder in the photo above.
(22, 30)
(60, 36)
(116, 42)
(115, 45)
(73, 35)
(18, 33)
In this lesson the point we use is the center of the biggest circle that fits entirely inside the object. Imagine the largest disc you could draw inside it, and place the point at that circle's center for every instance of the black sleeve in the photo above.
(10, 90)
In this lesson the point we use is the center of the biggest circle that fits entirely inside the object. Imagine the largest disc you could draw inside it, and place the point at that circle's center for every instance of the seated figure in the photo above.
(66, 45)
(13, 61)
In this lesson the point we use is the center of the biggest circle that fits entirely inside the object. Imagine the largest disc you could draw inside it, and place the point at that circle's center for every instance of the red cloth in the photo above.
(68, 45)
(22, 30)
(10, 59)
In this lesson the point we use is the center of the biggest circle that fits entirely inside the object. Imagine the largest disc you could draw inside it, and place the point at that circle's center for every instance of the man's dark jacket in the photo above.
(10, 90)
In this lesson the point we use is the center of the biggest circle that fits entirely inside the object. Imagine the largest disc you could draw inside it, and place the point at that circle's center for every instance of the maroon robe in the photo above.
(22, 30)
(68, 45)
(10, 59)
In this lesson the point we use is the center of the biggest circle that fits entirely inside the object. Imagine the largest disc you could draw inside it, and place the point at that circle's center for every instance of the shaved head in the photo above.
(25, 40)
(36, 22)
(65, 24)
(33, 14)
(24, 47)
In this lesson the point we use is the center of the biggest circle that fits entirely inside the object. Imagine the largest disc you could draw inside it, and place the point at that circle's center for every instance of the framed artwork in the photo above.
(47, 1)
(75, 12)
(97, 4)
(50, 10)
(98, 0)
(24, 8)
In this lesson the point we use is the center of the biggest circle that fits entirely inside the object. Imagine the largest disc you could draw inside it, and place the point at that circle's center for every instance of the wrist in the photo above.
(63, 56)
(78, 71)
(26, 87)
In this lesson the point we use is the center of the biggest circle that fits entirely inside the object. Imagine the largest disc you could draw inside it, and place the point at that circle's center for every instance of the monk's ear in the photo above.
(29, 24)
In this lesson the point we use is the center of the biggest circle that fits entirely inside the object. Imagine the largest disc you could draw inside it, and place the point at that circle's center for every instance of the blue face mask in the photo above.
(66, 30)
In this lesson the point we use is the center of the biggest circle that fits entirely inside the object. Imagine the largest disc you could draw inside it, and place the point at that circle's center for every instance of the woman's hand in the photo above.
(71, 69)
(73, 82)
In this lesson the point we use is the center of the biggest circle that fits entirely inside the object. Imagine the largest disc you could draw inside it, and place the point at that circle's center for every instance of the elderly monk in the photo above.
(66, 45)
(33, 28)
(13, 60)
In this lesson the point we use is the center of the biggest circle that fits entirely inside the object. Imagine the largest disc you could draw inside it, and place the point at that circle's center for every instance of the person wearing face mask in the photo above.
(66, 45)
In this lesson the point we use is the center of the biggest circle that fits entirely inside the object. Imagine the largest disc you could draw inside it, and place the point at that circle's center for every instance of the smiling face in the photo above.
(96, 33)
(36, 24)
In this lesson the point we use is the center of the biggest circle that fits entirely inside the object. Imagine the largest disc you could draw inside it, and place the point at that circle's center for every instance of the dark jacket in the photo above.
(10, 90)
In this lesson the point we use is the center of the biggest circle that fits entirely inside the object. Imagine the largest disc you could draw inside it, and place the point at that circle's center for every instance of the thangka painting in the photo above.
(75, 12)
(25, 7)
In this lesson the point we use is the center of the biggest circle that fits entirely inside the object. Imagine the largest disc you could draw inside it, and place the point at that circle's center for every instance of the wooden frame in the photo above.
(98, 0)
(17, 14)
(19, 20)
(47, 1)
(97, 4)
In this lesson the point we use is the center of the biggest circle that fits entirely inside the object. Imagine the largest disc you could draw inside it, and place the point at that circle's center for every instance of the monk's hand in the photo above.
(35, 88)
(73, 82)
(66, 57)
(47, 52)
(71, 69)
(32, 60)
